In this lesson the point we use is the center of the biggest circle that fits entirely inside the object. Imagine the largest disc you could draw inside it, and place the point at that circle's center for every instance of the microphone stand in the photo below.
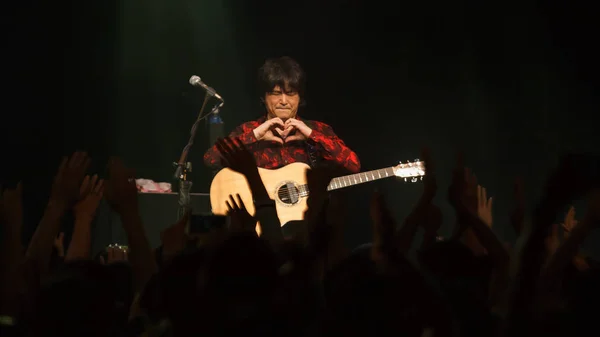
(183, 167)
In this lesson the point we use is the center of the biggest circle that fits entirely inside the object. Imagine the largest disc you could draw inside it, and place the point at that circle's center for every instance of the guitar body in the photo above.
(287, 186)
(282, 185)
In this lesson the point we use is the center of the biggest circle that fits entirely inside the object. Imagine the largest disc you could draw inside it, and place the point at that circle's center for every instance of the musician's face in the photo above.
(282, 103)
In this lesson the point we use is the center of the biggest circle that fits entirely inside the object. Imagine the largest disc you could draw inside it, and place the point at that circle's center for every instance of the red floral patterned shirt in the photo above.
(328, 147)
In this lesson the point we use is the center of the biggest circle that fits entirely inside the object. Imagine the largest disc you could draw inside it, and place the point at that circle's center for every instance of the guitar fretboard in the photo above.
(352, 179)
(359, 178)
(365, 177)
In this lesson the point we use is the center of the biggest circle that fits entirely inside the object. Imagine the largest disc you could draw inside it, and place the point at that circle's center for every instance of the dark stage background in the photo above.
(509, 84)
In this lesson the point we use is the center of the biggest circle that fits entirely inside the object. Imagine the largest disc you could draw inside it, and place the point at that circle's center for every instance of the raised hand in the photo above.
(236, 156)
(569, 222)
(241, 220)
(462, 193)
(120, 190)
(67, 182)
(457, 184)
(318, 228)
(470, 192)
(174, 237)
(383, 227)
(318, 179)
(90, 194)
(429, 181)
(115, 254)
(63, 195)
(266, 129)
(59, 244)
(425, 213)
(484, 206)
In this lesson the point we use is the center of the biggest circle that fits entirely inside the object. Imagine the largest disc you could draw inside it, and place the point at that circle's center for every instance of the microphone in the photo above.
(197, 82)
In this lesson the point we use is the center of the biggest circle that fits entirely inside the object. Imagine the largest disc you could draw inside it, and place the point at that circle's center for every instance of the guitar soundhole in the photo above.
(288, 194)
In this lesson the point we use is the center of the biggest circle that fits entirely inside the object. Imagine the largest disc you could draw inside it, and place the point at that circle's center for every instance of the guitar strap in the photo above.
(312, 155)
(311, 150)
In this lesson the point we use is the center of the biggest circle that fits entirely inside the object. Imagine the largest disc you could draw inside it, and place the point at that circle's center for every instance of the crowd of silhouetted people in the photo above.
(232, 282)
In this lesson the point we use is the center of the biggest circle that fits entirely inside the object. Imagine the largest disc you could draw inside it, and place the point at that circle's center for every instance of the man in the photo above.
(281, 137)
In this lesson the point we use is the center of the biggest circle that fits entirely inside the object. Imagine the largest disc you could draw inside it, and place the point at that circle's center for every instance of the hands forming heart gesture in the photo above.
(276, 130)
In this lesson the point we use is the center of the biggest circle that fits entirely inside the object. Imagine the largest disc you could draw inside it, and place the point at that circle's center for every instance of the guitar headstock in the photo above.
(414, 170)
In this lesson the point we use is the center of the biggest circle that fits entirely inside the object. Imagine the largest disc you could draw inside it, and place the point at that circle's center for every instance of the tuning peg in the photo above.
(417, 160)
(404, 179)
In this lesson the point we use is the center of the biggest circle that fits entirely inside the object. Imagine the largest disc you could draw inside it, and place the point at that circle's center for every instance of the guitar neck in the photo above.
(360, 178)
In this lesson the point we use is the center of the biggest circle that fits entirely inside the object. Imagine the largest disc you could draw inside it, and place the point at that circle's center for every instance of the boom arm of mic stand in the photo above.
(183, 167)
(180, 170)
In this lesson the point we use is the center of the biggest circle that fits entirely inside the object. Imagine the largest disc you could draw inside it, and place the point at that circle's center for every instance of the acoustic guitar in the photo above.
(287, 186)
